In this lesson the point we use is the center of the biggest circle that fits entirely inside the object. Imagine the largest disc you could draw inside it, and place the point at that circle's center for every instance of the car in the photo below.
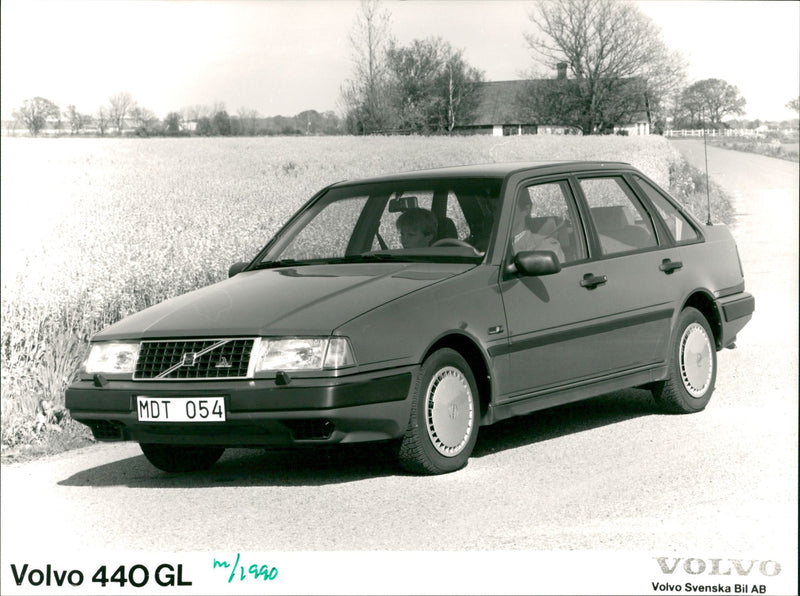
(414, 308)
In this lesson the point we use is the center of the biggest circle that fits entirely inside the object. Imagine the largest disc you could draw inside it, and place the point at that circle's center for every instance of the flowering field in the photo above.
(96, 229)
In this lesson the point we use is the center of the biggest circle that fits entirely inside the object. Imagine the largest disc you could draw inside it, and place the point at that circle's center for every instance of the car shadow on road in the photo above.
(349, 463)
(569, 419)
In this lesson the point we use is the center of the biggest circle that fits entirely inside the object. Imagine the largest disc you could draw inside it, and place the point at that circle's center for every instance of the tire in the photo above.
(692, 367)
(443, 426)
(181, 458)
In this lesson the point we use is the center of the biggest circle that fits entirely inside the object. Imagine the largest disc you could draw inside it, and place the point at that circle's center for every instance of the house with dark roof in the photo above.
(505, 108)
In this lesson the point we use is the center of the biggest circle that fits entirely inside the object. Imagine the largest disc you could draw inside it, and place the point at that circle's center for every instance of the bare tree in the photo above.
(144, 120)
(195, 112)
(794, 105)
(102, 120)
(35, 112)
(121, 105)
(248, 119)
(11, 125)
(217, 107)
(611, 49)
(75, 119)
(364, 94)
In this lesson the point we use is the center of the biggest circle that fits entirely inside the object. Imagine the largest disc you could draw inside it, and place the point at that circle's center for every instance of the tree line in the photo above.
(123, 116)
(611, 60)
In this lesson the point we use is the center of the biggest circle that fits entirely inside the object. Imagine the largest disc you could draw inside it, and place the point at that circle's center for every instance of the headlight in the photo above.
(304, 353)
(112, 357)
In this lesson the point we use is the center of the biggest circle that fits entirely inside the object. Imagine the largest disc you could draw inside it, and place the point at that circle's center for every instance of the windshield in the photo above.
(407, 220)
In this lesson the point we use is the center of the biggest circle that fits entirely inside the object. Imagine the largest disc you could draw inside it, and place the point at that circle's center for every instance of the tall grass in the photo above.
(788, 150)
(96, 229)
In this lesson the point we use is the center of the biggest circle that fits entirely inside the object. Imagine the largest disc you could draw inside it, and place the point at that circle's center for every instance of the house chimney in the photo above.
(562, 70)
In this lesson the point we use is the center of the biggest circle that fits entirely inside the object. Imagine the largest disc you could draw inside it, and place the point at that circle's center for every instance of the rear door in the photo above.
(643, 266)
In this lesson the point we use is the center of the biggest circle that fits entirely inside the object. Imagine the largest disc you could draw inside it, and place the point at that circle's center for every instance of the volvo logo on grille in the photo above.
(188, 359)
(199, 363)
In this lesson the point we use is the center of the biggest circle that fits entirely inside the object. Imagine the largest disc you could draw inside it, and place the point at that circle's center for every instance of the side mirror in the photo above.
(534, 263)
(237, 268)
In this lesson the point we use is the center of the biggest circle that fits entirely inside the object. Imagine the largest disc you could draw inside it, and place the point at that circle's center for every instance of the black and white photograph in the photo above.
(399, 297)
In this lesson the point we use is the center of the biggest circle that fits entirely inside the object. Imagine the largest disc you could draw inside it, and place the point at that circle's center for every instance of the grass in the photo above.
(789, 151)
(96, 229)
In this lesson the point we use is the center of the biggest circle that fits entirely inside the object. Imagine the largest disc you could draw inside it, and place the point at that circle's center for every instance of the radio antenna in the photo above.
(705, 151)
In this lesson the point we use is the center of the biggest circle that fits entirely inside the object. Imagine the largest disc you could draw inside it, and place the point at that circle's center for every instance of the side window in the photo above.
(544, 220)
(620, 220)
(678, 225)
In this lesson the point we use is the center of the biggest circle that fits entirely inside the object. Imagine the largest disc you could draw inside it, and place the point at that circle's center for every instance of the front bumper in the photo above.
(356, 408)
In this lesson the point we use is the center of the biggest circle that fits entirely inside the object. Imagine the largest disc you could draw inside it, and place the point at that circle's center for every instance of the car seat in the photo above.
(613, 222)
(446, 229)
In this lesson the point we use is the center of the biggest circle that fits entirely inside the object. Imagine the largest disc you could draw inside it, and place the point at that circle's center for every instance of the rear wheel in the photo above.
(181, 458)
(692, 366)
(443, 426)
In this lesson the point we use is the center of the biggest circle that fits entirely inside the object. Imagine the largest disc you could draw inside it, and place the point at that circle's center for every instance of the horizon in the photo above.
(282, 58)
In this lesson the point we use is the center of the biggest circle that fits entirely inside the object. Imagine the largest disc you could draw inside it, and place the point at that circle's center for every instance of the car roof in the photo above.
(494, 170)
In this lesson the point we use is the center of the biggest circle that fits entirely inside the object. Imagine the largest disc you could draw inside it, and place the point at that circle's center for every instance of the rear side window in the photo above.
(680, 228)
(621, 222)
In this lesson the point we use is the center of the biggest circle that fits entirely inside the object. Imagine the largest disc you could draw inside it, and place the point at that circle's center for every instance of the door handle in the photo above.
(590, 281)
(668, 266)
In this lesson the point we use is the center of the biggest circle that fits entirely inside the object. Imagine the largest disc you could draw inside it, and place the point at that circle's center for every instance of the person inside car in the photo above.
(417, 227)
(523, 238)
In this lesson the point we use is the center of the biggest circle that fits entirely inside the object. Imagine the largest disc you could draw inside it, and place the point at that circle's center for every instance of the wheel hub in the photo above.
(449, 413)
(696, 360)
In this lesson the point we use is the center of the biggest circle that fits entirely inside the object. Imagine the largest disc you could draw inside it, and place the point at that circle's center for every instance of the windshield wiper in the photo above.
(367, 257)
(280, 263)
(377, 256)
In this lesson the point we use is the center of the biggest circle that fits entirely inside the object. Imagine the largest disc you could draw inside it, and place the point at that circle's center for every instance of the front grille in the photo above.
(194, 359)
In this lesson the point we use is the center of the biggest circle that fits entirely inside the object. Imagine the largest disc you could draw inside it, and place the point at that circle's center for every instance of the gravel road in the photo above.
(608, 474)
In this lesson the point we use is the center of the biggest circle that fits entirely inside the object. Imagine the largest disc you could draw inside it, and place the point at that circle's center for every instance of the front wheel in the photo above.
(692, 366)
(181, 458)
(443, 426)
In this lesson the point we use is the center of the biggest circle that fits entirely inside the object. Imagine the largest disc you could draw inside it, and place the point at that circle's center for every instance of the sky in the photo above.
(282, 57)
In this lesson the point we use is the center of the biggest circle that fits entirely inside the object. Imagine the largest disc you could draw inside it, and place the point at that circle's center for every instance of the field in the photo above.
(96, 229)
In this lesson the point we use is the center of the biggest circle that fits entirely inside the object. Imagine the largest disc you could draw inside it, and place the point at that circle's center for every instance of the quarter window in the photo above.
(680, 228)
(621, 222)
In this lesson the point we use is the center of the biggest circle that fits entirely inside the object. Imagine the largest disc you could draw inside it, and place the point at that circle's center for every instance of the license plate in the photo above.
(180, 409)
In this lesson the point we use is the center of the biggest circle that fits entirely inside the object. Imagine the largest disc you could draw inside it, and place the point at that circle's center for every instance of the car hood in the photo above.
(311, 300)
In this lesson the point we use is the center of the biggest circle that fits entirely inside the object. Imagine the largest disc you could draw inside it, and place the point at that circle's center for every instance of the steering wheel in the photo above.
(452, 242)
(456, 242)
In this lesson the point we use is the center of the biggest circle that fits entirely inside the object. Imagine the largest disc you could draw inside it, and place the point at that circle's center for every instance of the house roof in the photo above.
(501, 102)
(498, 103)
